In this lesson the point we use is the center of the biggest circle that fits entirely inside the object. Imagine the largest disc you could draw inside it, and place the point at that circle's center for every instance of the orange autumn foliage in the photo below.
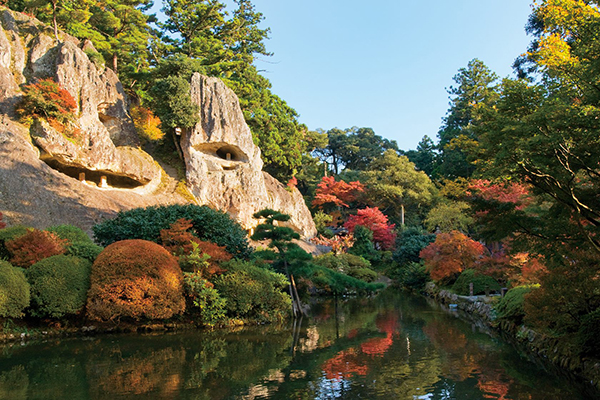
(450, 254)
(146, 123)
(180, 242)
(34, 246)
(337, 193)
(136, 279)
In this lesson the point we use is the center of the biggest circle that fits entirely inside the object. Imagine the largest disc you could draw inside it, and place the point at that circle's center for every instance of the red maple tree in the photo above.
(372, 218)
(450, 254)
(337, 193)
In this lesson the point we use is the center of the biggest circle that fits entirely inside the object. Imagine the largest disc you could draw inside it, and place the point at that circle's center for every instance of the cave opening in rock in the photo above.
(99, 178)
(230, 153)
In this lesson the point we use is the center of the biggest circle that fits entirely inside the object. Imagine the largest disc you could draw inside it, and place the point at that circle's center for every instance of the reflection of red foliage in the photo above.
(377, 346)
(337, 193)
(491, 385)
(373, 219)
(344, 365)
(352, 334)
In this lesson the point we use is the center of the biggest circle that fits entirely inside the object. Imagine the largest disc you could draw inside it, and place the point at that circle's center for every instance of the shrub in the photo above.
(348, 264)
(449, 255)
(510, 307)
(410, 243)
(146, 124)
(70, 233)
(59, 285)
(587, 336)
(203, 298)
(481, 283)
(566, 295)
(413, 275)
(2, 224)
(253, 293)
(364, 274)
(353, 261)
(46, 99)
(89, 251)
(330, 281)
(177, 240)
(201, 263)
(135, 279)
(14, 291)
(146, 224)
(34, 246)
(10, 233)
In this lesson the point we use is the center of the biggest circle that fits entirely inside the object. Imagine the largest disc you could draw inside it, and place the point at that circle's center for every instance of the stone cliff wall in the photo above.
(223, 165)
(47, 178)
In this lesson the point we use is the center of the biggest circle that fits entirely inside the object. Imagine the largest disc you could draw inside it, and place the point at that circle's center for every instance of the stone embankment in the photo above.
(548, 349)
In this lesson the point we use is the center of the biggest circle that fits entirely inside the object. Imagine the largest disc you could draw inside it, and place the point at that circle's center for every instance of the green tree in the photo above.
(289, 254)
(394, 184)
(476, 88)
(424, 157)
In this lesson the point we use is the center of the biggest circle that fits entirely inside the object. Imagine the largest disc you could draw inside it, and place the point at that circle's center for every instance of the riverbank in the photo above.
(548, 349)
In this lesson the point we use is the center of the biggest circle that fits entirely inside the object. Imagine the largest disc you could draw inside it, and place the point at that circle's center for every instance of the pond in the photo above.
(393, 346)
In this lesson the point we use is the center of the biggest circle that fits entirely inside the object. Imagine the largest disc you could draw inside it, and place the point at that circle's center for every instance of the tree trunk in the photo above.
(54, 10)
(402, 215)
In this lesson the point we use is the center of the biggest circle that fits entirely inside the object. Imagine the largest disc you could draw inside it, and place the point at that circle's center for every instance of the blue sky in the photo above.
(384, 64)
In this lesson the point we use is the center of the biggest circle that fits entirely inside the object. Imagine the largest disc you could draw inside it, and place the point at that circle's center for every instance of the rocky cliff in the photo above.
(223, 165)
(47, 178)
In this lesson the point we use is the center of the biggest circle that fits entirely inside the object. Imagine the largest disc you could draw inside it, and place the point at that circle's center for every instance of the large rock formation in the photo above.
(108, 144)
(47, 178)
(223, 165)
(40, 168)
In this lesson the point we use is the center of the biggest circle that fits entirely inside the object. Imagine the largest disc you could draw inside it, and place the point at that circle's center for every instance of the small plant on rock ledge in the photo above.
(46, 99)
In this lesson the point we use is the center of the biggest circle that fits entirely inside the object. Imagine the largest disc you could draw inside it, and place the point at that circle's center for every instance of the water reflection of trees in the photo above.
(388, 347)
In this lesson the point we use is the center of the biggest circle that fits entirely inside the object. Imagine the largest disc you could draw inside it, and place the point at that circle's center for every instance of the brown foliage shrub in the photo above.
(136, 279)
(2, 224)
(34, 246)
(178, 241)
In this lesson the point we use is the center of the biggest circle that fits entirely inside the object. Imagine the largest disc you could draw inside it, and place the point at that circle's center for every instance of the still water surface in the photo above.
(394, 346)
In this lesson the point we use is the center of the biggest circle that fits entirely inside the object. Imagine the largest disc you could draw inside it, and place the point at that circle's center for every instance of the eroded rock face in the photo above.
(223, 165)
(106, 141)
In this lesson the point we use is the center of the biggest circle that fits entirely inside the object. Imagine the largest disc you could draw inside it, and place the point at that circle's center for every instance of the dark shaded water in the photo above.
(395, 346)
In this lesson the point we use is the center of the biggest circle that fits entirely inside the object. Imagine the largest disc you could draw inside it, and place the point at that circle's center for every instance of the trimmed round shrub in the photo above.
(135, 279)
(34, 246)
(71, 233)
(10, 233)
(253, 293)
(89, 251)
(481, 283)
(59, 285)
(14, 291)
(364, 274)
(511, 305)
(146, 223)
